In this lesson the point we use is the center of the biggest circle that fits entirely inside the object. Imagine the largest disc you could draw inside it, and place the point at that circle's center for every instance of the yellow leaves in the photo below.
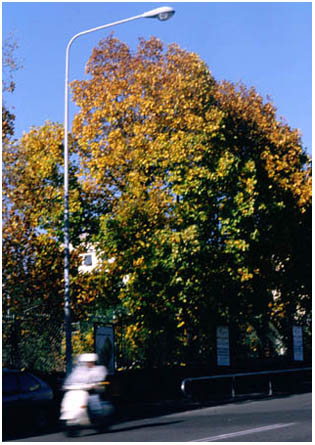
(213, 118)
(176, 237)
(34, 169)
(239, 198)
(236, 244)
(145, 106)
(283, 150)
(43, 142)
(241, 245)
(225, 162)
(250, 166)
(82, 342)
(244, 274)
(131, 329)
(284, 165)
(89, 337)
(134, 335)
(246, 205)
(193, 122)
(250, 185)
(139, 262)
(174, 159)
(278, 309)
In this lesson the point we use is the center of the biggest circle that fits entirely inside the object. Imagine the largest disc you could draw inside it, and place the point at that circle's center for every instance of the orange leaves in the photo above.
(287, 171)
(225, 162)
(182, 180)
(137, 102)
(32, 172)
(277, 144)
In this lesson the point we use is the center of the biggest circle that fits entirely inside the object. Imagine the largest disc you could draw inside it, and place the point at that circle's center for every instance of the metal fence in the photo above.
(33, 342)
(37, 341)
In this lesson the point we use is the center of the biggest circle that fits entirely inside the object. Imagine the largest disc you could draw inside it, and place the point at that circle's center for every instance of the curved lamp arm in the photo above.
(163, 13)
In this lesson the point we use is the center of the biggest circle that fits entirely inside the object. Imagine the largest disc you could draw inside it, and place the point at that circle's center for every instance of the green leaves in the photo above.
(195, 197)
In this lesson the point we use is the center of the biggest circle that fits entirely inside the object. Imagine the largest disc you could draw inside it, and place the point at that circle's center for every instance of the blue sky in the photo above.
(265, 45)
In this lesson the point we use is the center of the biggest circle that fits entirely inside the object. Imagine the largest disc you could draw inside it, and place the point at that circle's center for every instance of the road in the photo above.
(276, 419)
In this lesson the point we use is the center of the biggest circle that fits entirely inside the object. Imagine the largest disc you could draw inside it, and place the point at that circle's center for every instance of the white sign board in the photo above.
(297, 343)
(105, 346)
(223, 346)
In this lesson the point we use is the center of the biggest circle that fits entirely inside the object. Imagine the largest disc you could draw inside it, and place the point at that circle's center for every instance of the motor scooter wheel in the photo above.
(102, 429)
(72, 431)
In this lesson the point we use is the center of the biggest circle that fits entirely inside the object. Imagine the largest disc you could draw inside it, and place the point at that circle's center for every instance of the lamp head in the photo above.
(163, 13)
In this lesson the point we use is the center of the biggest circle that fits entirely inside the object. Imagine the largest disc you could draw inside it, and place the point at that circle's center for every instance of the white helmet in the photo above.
(88, 358)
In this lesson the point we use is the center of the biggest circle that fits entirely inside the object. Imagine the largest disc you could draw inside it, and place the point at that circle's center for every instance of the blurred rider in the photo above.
(87, 372)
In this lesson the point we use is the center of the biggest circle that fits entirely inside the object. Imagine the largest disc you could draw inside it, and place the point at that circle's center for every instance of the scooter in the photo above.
(81, 407)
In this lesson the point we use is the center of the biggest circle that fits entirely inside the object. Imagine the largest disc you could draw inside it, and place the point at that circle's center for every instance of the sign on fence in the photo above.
(105, 346)
(297, 343)
(223, 346)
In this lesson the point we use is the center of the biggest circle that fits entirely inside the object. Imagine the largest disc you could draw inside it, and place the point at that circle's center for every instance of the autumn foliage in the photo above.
(194, 187)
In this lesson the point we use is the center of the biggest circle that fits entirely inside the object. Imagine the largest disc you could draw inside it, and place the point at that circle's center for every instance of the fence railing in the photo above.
(233, 378)
(36, 341)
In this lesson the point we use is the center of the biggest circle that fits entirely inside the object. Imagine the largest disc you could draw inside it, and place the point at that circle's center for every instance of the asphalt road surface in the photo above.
(276, 419)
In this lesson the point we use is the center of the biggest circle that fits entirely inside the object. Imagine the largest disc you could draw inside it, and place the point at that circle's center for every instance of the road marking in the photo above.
(241, 433)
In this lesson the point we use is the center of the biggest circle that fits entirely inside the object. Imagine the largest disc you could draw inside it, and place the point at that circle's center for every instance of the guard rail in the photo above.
(234, 376)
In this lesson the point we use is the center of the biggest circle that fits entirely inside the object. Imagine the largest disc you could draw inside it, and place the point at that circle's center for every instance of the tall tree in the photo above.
(197, 198)
(201, 178)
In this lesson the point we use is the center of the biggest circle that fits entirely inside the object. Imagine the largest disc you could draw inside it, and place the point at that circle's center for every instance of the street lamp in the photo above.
(163, 13)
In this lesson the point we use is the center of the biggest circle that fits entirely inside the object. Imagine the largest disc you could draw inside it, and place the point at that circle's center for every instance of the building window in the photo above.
(87, 260)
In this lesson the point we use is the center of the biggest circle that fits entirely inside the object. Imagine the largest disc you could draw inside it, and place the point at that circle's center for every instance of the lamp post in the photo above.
(163, 13)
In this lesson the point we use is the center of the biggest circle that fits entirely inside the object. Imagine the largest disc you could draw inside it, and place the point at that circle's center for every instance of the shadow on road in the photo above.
(136, 411)
(134, 427)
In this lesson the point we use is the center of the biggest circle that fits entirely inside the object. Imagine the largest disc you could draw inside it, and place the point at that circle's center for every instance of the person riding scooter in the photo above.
(81, 405)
